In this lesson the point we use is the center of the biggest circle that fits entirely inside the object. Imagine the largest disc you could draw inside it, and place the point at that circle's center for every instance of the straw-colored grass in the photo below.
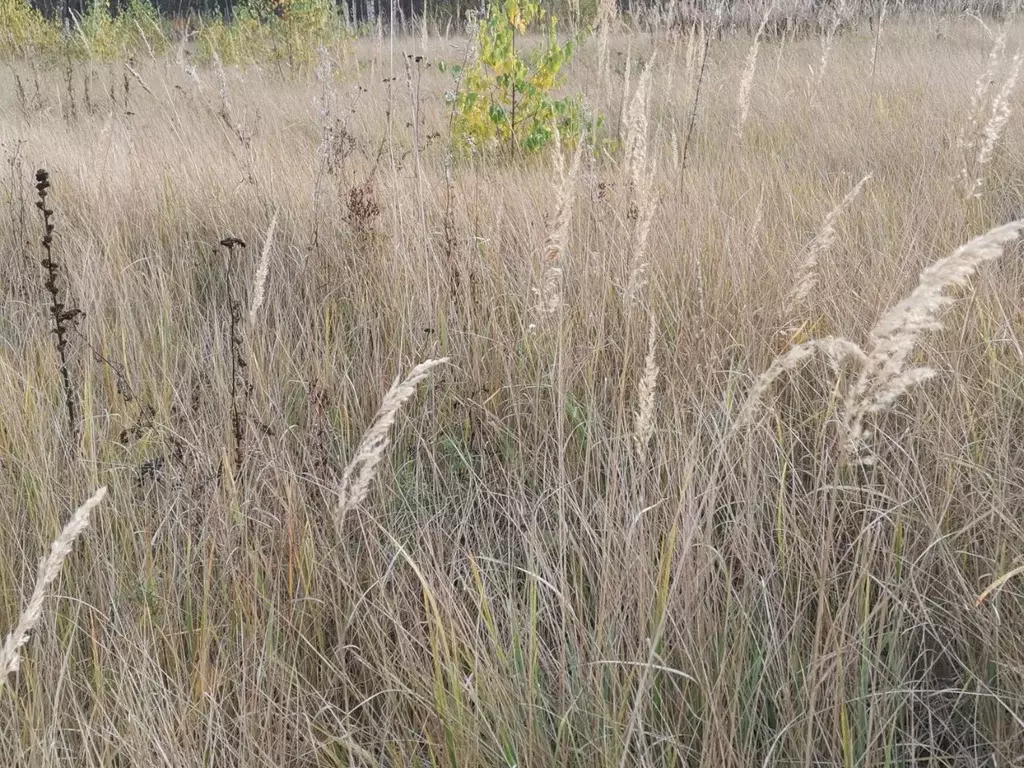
(642, 533)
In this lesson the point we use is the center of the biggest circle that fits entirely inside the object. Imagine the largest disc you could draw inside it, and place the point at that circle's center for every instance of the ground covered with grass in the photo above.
(691, 487)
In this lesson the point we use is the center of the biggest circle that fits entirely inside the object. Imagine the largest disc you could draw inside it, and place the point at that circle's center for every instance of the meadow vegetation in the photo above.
(683, 427)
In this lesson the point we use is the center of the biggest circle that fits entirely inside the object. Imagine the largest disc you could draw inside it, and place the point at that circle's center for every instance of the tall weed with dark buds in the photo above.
(241, 388)
(64, 319)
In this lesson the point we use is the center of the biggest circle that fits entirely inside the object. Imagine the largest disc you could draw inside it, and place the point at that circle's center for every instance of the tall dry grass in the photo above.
(567, 555)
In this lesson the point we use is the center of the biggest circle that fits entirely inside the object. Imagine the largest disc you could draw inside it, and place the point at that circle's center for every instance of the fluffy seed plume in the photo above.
(49, 569)
(749, 70)
(643, 428)
(806, 273)
(262, 269)
(999, 115)
(885, 375)
(359, 474)
(980, 96)
(989, 112)
(836, 349)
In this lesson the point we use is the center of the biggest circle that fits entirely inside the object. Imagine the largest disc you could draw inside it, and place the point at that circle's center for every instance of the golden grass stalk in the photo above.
(885, 375)
(49, 569)
(996, 585)
(805, 278)
(359, 474)
(262, 269)
(643, 424)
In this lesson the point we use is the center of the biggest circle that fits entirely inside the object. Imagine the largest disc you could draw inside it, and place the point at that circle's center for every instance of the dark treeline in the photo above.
(356, 11)
(362, 11)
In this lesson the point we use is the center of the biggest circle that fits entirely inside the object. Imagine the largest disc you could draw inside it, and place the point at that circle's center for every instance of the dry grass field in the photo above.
(597, 535)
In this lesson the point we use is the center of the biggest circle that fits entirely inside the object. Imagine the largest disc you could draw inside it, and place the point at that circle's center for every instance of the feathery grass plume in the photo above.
(967, 137)
(998, 117)
(643, 424)
(806, 274)
(643, 215)
(356, 479)
(749, 70)
(987, 116)
(262, 269)
(885, 376)
(835, 348)
(549, 294)
(49, 569)
(636, 132)
(640, 173)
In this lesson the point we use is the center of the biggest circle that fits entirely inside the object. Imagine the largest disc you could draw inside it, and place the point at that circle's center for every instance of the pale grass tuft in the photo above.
(640, 173)
(998, 117)
(979, 97)
(749, 70)
(359, 474)
(987, 117)
(636, 133)
(885, 376)
(49, 569)
(549, 294)
(262, 269)
(643, 423)
(805, 278)
(826, 45)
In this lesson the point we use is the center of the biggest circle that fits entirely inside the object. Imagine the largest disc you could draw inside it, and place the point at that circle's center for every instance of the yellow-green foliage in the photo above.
(504, 97)
(272, 29)
(261, 30)
(23, 29)
(102, 35)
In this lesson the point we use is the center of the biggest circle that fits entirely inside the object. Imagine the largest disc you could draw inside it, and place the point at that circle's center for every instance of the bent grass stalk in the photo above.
(49, 569)
(884, 372)
(359, 474)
